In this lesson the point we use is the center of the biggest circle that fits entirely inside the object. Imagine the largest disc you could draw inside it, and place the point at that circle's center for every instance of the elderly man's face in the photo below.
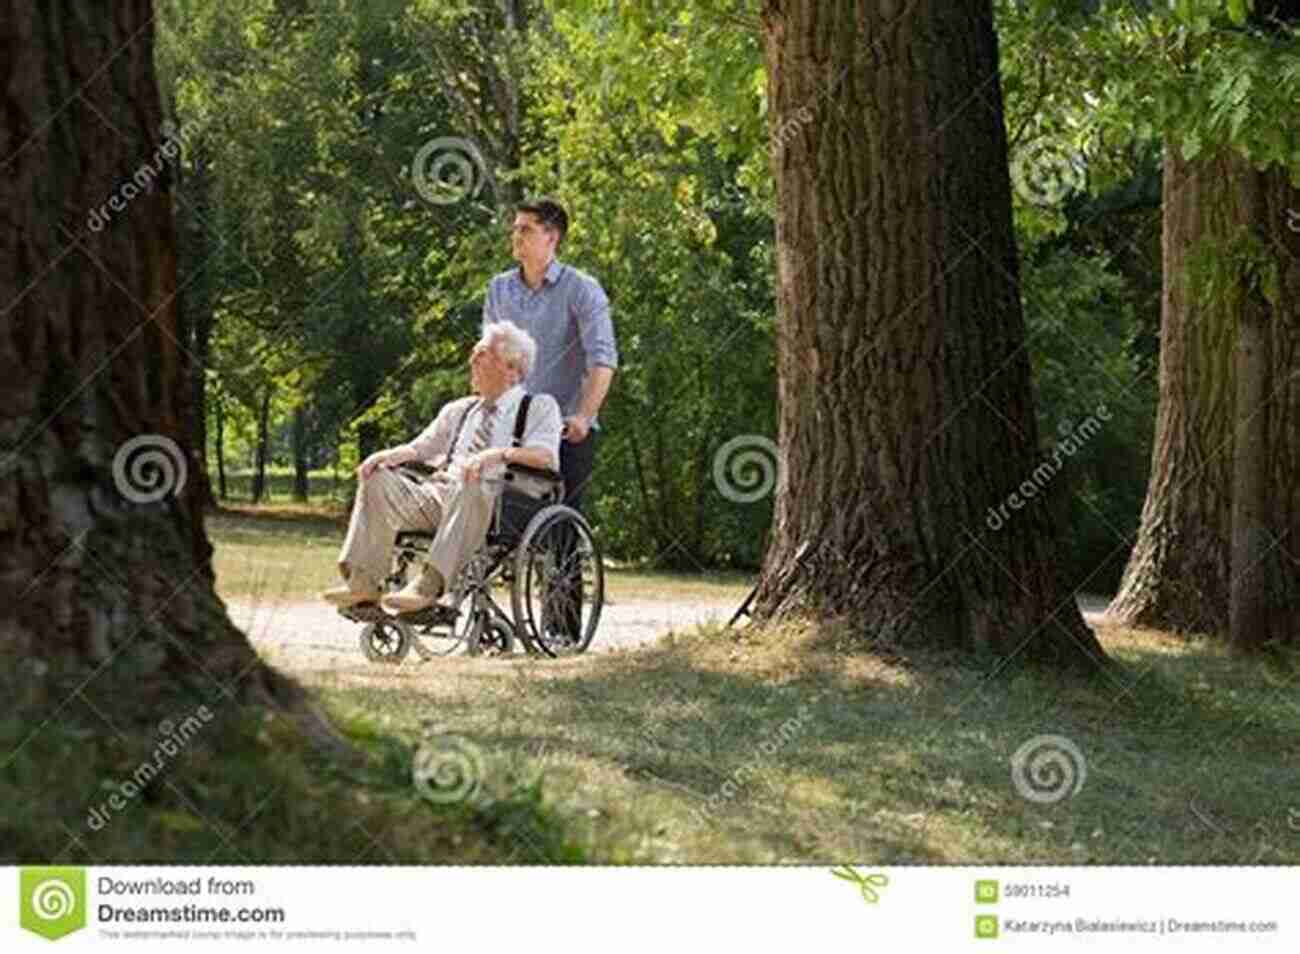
(488, 371)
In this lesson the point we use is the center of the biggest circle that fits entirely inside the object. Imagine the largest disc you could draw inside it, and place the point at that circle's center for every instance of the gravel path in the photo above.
(315, 634)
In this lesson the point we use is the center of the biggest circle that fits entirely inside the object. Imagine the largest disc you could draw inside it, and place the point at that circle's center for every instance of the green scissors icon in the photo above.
(867, 884)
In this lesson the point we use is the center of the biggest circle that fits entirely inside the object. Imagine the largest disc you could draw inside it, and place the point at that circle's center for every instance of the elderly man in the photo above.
(473, 437)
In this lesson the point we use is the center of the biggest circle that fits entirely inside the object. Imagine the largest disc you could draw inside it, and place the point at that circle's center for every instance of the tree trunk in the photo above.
(105, 566)
(263, 447)
(196, 303)
(1178, 574)
(1216, 549)
(221, 447)
(300, 463)
(905, 401)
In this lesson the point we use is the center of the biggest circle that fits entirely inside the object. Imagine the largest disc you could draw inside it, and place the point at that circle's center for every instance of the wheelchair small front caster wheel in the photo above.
(496, 639)
(386, 641)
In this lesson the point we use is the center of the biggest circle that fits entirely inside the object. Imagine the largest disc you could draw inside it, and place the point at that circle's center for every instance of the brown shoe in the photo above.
(419, 593)
(344, 595)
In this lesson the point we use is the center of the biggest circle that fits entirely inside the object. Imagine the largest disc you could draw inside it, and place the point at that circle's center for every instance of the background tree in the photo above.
(1213, 551)
(904, 392)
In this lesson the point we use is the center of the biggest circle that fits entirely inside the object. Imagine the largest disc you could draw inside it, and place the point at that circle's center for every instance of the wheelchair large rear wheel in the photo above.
(558, 588)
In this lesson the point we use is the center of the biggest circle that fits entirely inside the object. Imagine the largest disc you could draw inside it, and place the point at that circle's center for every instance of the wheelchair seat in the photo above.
(526, 491)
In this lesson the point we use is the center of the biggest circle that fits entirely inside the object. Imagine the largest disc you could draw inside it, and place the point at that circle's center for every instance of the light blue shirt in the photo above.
(568, 317)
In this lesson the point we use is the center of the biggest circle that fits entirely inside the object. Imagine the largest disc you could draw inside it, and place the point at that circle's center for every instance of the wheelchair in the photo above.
(541, 551)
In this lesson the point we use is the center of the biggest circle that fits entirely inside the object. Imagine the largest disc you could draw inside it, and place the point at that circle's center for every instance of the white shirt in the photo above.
(541, 432)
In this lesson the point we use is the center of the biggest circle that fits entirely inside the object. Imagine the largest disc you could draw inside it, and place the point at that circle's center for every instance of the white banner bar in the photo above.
(642, 909)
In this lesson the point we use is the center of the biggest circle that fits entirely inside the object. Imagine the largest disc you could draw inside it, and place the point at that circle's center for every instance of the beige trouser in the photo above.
(390, 500)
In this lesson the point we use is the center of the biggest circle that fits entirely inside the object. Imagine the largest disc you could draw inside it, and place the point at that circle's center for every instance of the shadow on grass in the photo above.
(737, 747)
(101, 775)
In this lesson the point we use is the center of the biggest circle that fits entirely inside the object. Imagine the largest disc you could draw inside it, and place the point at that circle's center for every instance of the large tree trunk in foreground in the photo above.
(1220, 531)
(105, 568)
(905, 399)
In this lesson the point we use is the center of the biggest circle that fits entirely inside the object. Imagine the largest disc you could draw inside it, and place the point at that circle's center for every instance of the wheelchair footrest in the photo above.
(435, 615)
(364, 613)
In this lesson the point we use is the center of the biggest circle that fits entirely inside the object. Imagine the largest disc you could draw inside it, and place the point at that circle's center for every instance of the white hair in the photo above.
(514, 344)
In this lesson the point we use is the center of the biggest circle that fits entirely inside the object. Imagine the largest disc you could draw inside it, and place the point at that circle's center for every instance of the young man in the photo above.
(455, 501)
(567, 313)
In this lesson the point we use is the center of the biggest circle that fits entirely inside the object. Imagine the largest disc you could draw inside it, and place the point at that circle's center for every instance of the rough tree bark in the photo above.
(1217, 547)
(1178, 573)
(904, 385)
(94, 576)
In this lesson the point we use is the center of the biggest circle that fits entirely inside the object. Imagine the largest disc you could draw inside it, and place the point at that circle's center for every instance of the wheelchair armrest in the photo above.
(540, 473)
(418, 467)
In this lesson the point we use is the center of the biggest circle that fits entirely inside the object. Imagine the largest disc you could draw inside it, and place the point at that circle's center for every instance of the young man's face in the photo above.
(531, 240)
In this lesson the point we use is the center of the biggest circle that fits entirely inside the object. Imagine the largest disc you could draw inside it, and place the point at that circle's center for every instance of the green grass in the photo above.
(243, 788)
(835, 754)
(322, 487)
(676, 752)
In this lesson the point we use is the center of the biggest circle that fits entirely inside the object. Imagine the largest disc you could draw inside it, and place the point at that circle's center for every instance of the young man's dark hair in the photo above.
(549, 213)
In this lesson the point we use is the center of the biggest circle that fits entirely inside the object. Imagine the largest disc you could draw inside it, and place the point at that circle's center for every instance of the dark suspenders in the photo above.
(521, 418)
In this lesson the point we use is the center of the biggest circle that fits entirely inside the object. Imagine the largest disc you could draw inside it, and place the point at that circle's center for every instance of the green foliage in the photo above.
(334, 283)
